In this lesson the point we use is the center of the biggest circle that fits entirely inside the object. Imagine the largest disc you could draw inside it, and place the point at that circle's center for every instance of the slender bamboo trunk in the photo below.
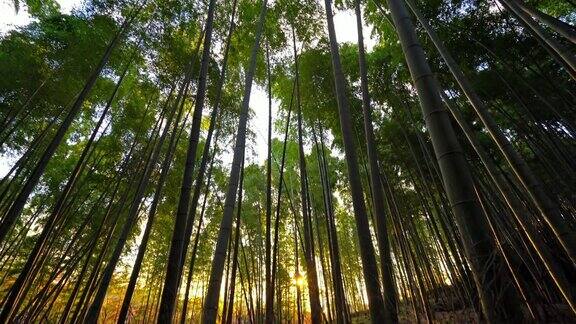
(389, 287)
(270, 290)
(499, 303)
(235, 265)
(197, 237)
(325, 273)
(212, 295)
(268, 246)
(369, 266)
(250, 302)
(311, 274)
(226, 285)
(174, 263)
(207, 143)
(342, 315)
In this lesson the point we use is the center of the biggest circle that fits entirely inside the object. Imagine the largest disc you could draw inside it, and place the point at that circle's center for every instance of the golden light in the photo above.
(299, 280)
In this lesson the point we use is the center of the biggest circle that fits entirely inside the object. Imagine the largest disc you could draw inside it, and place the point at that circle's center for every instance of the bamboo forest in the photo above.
(287, 161)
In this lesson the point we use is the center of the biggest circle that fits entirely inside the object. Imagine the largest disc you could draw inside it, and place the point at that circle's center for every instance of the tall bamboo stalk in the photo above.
(499, 303)
(212, 295)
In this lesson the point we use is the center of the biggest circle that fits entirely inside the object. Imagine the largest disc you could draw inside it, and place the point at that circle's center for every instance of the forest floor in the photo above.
(553, 314)
(460, 316)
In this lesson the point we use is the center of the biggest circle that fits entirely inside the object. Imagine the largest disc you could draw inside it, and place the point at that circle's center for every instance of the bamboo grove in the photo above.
(234, 161)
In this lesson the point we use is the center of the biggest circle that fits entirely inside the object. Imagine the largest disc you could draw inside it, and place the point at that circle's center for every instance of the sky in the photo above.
(344, 21)
(10, 20)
